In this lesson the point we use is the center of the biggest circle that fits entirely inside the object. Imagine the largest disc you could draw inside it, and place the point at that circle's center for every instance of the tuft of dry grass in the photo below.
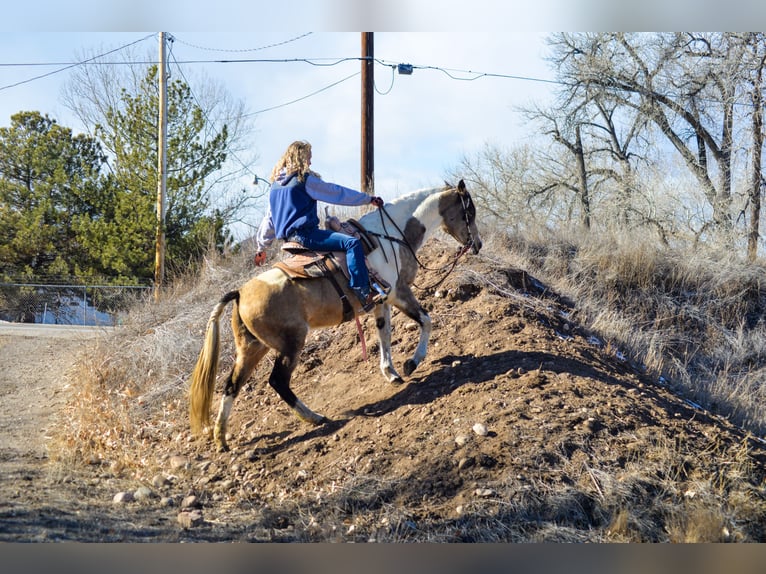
(131, 389)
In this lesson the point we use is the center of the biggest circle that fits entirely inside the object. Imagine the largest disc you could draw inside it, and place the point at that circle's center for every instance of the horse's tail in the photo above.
(203, 378)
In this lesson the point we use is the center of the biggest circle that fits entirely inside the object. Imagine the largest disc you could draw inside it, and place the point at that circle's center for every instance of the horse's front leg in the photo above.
(424, 320)
(410, 307)
(383, 323)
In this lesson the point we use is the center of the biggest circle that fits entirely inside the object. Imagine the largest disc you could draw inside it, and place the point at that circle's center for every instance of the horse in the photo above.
(274, 312)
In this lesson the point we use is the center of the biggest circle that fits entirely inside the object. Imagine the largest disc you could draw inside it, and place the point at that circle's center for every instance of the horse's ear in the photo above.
(461, 186)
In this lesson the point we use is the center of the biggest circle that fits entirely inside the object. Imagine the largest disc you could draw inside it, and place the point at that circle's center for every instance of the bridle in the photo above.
(465, 203)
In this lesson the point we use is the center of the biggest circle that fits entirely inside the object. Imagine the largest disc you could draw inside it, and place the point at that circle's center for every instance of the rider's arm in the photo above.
(333, 193)
(266, 234)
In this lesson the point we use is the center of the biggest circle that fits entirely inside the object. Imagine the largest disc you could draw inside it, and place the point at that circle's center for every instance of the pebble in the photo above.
(178, 462)
(190, 519)
(461, 440)
(190, 501)
(143, 493)
(159, 481)
(480, 429)
(484, 492)
(123, 497)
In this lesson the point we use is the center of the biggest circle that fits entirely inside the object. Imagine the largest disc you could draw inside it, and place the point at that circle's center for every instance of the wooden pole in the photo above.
(159, 260)
(368, 86)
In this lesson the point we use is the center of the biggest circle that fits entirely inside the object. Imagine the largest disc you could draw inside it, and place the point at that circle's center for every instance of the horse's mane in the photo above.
(418, 194)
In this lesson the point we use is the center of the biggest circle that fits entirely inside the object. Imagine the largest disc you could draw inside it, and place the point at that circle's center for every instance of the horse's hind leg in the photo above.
(250, 351)
(284, 365)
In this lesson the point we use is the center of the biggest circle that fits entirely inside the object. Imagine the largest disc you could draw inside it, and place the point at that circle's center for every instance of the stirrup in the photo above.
(382, 294)
(369, 303)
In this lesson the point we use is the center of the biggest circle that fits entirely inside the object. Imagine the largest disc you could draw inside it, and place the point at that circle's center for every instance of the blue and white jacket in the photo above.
(293, 205)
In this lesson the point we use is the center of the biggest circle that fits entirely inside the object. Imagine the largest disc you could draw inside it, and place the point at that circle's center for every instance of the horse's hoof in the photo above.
(397, 380)
(313, 419)
(223, 448)
(409, 367)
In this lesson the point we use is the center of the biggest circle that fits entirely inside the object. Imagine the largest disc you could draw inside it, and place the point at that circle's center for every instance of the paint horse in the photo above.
(272, 311)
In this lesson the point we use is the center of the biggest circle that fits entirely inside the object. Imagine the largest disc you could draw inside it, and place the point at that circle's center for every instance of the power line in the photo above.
(304, 97)
(453, 74)
(240, 50)
(72, 65)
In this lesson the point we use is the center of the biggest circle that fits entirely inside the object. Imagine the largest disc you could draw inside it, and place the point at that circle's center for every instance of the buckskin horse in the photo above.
(273, 311)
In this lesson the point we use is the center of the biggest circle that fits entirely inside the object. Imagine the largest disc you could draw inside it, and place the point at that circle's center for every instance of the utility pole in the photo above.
(368, 86)
(162, 164)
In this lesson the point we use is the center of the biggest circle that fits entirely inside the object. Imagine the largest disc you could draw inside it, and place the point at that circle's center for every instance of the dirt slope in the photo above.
(518, 426)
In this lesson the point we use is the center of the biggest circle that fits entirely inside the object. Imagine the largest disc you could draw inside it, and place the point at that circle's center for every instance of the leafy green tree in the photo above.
(129, 133)
(210, 151)
(49, 181)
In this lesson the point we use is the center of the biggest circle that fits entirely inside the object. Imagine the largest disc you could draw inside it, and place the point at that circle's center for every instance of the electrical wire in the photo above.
(391, 87)
(304, 97)
(241, 50)
(89, 60)
(454, 74)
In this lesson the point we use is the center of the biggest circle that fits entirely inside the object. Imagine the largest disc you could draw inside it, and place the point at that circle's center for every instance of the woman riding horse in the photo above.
(292, 215)
(273, 311)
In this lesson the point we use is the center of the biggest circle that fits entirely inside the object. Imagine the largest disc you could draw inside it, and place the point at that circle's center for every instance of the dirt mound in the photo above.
(520, 425)
(518, 417)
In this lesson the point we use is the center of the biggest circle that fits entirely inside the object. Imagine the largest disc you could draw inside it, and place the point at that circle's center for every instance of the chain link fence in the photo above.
(98, 305)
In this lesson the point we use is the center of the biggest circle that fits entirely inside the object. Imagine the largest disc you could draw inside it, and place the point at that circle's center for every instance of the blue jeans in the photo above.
(326, 240)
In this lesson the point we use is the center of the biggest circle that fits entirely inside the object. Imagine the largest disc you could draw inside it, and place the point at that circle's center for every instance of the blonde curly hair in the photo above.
(296, 159)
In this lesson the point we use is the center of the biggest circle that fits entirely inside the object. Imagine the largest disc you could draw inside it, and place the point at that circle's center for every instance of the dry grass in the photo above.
(694, 317)
(131, 390)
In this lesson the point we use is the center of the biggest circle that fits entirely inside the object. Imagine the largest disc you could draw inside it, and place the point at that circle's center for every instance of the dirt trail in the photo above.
(41, 502)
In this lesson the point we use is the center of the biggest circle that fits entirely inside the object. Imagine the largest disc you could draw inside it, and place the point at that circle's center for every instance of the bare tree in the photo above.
(566, 131)
(756, 43)
(502, 182)
(685, 84)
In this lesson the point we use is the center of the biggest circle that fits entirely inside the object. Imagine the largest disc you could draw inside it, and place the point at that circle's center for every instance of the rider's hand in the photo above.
(377, 201)
(260, 258)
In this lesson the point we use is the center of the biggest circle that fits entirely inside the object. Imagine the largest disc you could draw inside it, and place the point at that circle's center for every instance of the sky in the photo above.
(424, 123)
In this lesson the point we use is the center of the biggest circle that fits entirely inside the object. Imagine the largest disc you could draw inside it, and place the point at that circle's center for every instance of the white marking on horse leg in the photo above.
(420, 352)
(219, 431)
(307, 414)
(383, 323)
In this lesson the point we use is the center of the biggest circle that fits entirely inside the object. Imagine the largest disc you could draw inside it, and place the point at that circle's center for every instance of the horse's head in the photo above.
(459, 216)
